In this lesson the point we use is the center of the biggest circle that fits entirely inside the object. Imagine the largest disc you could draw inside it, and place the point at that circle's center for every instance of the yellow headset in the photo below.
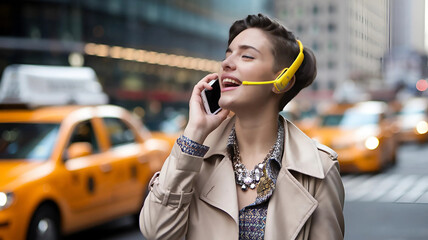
(286, 75)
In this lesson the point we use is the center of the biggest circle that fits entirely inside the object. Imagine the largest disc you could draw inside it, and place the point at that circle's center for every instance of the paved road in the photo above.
(387, 188)
(121, 229)
(392, 205)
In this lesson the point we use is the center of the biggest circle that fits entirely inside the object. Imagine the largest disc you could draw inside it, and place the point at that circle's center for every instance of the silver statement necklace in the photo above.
(244, 177)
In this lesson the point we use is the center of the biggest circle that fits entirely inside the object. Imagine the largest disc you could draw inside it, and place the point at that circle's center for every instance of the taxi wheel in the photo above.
(394, 158)
(393, 154)
(44, 224)
(385, 158)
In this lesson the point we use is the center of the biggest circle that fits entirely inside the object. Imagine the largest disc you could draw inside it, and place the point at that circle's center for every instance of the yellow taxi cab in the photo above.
(413, 120)
(66, 168)
(300, 115)
(363, 135)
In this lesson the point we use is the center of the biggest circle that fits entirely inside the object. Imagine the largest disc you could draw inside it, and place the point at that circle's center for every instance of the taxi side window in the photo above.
(84, 132)
(119, 132)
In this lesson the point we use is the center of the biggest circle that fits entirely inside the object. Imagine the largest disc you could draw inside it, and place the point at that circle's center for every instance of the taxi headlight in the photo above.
(371, 143)
(422, 127)
(6, 199)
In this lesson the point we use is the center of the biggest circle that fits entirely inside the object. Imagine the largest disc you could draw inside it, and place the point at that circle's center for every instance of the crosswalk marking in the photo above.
(386, 188)
(399, 190)
(423, 198)
(362, 189)
(416, 192)
(351, 180)
(382, 188)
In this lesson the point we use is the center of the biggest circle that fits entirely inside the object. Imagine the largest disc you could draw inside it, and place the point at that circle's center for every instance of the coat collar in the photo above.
(300, 152)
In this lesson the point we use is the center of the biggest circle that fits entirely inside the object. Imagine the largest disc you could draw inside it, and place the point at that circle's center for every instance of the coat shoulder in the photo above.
(326, 150)
(328, 157)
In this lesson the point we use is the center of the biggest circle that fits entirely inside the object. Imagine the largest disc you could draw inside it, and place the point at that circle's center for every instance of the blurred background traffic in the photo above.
(148, 54)
(369, 101)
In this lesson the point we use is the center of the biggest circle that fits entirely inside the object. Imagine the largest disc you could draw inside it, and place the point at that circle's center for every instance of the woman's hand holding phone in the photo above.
(210, 97)
(200, 122)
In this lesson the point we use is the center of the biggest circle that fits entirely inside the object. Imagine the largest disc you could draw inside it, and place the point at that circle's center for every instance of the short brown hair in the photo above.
(285, 50)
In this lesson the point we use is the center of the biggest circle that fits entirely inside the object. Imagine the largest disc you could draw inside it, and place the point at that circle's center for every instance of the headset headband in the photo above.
(287, 73)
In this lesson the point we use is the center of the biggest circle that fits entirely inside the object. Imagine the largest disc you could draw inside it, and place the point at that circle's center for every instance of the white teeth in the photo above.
(228, 80)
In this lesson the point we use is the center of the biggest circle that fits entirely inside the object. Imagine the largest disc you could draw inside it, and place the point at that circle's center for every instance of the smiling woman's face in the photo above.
(248, 58)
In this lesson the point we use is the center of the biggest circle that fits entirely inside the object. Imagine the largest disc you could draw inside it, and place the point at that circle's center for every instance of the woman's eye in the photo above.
(248, 56)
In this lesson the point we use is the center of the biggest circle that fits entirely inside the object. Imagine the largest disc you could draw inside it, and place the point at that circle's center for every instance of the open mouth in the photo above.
(227, 82)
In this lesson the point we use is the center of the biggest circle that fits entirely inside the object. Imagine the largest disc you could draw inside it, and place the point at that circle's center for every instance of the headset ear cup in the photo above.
(290, 84)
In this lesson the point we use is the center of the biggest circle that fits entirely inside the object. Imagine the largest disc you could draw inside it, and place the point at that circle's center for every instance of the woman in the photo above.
(208, 187)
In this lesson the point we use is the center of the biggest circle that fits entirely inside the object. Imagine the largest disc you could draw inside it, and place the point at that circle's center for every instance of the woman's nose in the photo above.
(228, 64)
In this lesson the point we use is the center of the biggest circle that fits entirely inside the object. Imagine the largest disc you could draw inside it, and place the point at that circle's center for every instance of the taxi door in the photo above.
(88, 191)
(124, 152)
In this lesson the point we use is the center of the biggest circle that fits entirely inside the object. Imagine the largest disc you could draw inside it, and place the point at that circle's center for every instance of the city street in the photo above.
(392, 205)
(94, 94)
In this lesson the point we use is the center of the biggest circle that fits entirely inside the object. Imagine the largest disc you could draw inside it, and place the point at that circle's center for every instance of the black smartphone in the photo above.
(211, 97)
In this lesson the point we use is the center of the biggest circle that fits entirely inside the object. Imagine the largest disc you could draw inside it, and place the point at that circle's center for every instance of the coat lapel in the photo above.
(220, 192)
(291, 205)
(289, 208)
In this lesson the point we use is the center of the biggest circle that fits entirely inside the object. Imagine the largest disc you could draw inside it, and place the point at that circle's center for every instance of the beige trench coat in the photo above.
(196, 198)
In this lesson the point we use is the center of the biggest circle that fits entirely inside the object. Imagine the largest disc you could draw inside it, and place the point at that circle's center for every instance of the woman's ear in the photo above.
(288, 87)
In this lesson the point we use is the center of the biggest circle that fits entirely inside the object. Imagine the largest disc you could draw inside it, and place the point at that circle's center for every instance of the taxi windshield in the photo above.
(351, 119)
(412, 111)
(331, 120)
(33, 141)
(355, 119)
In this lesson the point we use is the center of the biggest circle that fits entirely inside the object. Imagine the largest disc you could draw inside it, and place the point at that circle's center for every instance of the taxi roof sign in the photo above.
(37, 85)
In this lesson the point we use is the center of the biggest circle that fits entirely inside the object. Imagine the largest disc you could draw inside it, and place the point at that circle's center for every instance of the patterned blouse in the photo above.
(252, 218)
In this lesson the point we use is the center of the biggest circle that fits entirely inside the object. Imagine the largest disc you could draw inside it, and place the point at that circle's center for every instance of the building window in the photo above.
(332, 46)
(331, 27)
(332, 8)
(284, 13)
(300, 28)
(315, 10)
(315, 46)
(315, 29)
(331, 84)
(299, 11)
(315, 84)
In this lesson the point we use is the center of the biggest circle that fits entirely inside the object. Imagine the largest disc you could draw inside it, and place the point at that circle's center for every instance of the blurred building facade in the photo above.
(407, 63)
(146, 53)
(349, 39)
(408, 24)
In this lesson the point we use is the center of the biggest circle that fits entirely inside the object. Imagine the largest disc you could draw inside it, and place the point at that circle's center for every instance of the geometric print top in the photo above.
(252, 218)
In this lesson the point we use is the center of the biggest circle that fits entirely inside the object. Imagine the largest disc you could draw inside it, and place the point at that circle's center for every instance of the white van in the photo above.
(36, 85)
